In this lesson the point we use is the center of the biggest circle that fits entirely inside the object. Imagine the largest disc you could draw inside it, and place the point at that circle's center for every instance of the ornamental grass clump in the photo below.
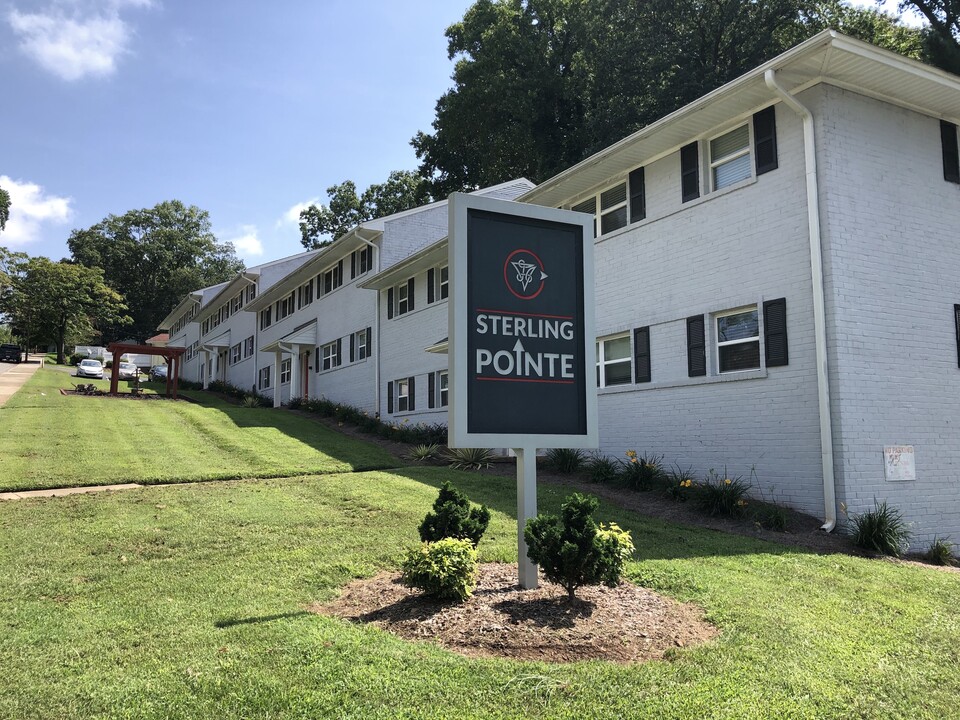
(445, 569)
(452, 517)
(881, 530)
(470, 458)
(422, 453)
(679, 484)
(566, 460)
(940, 552)
(642, 472)
(573, 551)
(723, 495)
(602, 469)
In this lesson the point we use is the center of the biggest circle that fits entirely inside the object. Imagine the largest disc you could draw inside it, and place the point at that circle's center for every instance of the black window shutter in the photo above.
(316, 359)
(765, 139)
(413, 392)
(339, 351)
(353, 265)
(690, 171)
(430, 291)
(353, 337)
(641, 354)
(775, 332)
(340, 270)
(638, 196)
(369, 341)
(410, 294)
(390, 398)
(696, 347)
(951, 154)
(431, 389)
(956, 320)
(390, 304)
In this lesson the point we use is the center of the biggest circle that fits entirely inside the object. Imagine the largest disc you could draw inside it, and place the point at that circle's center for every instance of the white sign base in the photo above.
(526, 509)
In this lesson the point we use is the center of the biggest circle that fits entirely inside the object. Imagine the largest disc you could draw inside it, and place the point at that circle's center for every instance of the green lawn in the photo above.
(51, 440)
(187, 602)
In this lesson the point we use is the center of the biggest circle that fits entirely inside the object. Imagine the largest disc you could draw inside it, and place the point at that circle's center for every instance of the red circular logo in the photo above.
(523, 274)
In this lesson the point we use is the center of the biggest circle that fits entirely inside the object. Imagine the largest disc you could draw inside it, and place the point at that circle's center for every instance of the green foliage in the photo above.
(251, 401)
(75, 358)
(420, 433)
(602, 469)
(941, 39)
(940, 552)
(642, 472)
(470, 458)
(723, 495)
(153, 257)
(679, 484)
(572, 551)
(565, 460)
(772, 516)
(445, 569)
(424, 452)
(4, 208)
(452, 517)
(881, 530)
(321, 225)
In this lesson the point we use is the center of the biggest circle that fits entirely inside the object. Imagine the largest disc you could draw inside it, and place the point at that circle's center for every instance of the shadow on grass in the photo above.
(231, 622)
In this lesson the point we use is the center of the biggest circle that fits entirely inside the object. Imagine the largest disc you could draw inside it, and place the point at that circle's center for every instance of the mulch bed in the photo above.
(625, 624)
(106, 394)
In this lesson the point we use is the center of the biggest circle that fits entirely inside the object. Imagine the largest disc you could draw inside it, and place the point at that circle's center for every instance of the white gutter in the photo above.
(819, 314)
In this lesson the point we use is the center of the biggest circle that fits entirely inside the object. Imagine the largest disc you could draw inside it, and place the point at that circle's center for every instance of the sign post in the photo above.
(522, 343)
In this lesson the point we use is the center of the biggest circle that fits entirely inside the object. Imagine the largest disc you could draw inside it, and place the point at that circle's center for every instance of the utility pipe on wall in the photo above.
(819, 314)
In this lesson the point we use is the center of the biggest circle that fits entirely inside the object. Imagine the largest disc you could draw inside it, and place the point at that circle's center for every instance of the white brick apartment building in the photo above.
(776, 271)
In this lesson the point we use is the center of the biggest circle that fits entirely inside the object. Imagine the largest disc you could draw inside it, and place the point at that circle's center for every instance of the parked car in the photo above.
(128, 371)
(90, 368)
(158, 372)
(10, 353)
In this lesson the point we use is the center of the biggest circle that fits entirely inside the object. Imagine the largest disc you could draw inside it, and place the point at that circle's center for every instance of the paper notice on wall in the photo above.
(898, 463)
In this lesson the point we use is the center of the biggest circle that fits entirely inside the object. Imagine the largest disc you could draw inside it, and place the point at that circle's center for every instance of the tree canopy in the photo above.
(541, 84)
(153, 257)
(4, 208)
(942, 36)
(321, 225)
(59, 302)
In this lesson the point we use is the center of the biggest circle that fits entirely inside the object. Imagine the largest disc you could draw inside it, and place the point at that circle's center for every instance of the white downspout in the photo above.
(819, 314)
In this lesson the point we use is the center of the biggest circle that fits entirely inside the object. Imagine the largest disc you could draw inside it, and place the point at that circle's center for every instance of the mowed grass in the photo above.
(51, 440)
(189, 601)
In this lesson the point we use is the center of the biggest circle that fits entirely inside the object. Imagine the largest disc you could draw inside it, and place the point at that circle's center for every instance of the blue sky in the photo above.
(245, 109)
(249, 110)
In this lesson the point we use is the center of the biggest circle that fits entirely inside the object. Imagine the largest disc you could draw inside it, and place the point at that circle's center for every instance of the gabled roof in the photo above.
(201, 296)
(828, 57)
(430, 256)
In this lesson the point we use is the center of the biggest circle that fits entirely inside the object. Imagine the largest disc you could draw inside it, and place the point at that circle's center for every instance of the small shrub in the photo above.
(602, 469)
(940, 552)
(723, 495)
(679, 484)
(882, 529)
(75, 358)
(642, 472)
(565, 460)
(469, 458)
(446, 569)
(295, 403)
(452, 517)
(572, 551)
(421, 453)
(251, 401)
(773, 517)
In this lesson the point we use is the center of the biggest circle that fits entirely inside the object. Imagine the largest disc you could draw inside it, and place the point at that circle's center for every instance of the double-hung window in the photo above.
(331, 279)
(363, 344)
(403, 395)
(266, 317)
(738, 340)
(285, 371)
(361, 261)
(265, 377)
(442, 388)
(330, 355)
(237, 303)
(403, 299)
(251, 292)
(617, 206)
(613, 361)
(235, 354)
(248, 347)
(730, 157)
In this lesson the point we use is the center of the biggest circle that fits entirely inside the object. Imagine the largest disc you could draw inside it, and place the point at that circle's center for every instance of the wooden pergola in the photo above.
(171, 354)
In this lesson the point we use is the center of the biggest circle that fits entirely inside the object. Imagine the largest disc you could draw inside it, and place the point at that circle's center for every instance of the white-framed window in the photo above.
(613, 360)
(205, 327)
(362, 261)
(403, 298)
(286, 306)
(215, 319)
(618, 205)
(266, 317)
(235, 354)
(248, 347)
(237, 303)
(738, 340)
(442, 394)
(251, 292)
(403, 395)
(305, 294)
(330, 355)
(330, 279)
(363, 344)
(285, 371)
(444, 279)
(730, 157)
(265, 377)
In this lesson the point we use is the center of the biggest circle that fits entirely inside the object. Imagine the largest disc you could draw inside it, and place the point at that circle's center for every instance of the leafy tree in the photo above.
(541, 84)
(59, 302)
(452, 517)
(573, 551)
(319, 226)
(942, 36)
(4, 208)
(153, 257)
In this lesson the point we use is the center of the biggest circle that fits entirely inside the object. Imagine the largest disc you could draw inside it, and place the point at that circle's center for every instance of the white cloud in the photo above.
(292, 215)
(86, 41)
(246, 241)
(30, 209)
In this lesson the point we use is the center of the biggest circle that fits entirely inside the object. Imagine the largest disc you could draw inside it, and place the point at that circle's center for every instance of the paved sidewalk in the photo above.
(60, 492)
(14, 378)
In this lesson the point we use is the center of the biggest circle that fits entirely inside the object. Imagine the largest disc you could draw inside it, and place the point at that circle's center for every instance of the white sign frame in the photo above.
(458, 320)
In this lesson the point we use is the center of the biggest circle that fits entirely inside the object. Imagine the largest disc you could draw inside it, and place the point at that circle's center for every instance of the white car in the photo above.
(128, 371)
(90, 368)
